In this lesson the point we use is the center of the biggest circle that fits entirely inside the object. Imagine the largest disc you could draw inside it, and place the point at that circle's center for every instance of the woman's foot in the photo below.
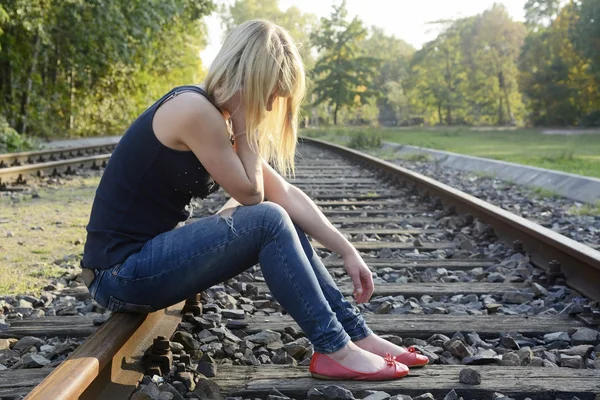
(379, 346)
(354, 363)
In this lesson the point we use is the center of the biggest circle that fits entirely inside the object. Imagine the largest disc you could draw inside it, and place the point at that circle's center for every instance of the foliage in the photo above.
(343, 74)
(75, 67)
(363, 140)
(11, 141)
(298, 24)
(556, 78)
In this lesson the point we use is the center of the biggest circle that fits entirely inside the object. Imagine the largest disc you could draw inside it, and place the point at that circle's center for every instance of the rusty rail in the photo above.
(551, 251)
(31, 157)
(107, 364)
(21, 173)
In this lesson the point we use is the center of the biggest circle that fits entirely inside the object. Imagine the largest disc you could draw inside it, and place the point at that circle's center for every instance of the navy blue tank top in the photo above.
(143, 192)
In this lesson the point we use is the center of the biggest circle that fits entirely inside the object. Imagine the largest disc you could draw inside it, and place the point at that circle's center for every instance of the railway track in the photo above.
(16, 168)
(466, 283)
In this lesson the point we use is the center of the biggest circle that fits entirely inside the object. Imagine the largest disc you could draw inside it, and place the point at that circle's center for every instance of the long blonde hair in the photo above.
(261, 58)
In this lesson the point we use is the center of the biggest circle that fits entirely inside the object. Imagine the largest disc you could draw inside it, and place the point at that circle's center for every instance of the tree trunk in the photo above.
(27, 94)
(71, 99)
(449, 115)
(502, 85)
(440, 117)
(335, 111)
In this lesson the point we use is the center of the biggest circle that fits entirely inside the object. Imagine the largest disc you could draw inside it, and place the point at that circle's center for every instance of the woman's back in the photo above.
(143, 191)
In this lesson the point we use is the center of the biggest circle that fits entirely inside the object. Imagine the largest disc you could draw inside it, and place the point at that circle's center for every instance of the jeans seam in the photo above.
(187, 259)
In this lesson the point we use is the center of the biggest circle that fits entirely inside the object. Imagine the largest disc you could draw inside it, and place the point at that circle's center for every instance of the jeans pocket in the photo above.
(117, 305)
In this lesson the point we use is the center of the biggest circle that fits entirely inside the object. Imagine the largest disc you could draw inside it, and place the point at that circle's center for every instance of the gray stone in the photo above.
(510, 359)
(517, 297)
(483, 357)
(509, 343)
(401, 397)
(282, 357)
(264, 337)
(208, 390)
(35, 361)
(333, 392)
(27, 342)
(425, 396)
(378, 395)
(315, 394)
(233, 314)
(452, 395)
(207, 369)
(180, 387)
(187, 340)
(553, 337)
(147, 392)
(469, 376)
(583, 351)
(297, 348)
(384, 308)
(166, 396)
(525, 355)
(536, 362)
(571, 361)
(458, 349)
(539, 290)
(585, 336)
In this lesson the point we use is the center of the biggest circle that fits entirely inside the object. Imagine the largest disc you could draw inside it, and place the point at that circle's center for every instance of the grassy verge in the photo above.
(577, 154)
(37, 229)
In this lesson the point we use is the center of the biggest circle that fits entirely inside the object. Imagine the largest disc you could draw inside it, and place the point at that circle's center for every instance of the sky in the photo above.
(405, 19)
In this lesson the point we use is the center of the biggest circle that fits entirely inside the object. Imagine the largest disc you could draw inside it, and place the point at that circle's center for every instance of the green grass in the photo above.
(586, 209)
(27, 253)
(577, 154)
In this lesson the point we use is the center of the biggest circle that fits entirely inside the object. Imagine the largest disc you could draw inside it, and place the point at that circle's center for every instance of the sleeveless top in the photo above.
(143, 192)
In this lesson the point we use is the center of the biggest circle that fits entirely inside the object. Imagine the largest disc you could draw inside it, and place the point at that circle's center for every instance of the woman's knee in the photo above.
(272, 214)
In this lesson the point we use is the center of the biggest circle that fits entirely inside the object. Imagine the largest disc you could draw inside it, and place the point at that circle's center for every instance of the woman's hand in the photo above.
(361, 276)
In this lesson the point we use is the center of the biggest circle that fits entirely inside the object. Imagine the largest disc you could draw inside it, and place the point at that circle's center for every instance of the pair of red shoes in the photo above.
(324, 367)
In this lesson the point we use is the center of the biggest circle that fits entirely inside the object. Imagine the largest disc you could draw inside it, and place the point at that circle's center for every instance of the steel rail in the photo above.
(108, 364)
(549, 250)
(31, 157)
(19, 174)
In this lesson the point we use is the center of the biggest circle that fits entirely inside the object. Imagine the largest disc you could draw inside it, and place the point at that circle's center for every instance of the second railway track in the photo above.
(513, 310)
(17, 168)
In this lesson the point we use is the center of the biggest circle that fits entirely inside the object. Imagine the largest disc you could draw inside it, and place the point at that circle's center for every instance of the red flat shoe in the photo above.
(412, 359)
(324, 367)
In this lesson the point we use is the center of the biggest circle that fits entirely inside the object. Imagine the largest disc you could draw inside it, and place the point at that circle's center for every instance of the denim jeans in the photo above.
(177, 264)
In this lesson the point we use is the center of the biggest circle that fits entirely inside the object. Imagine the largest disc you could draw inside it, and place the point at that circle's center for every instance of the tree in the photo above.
(298, 24)
(541, 12)
(395, 56)
(437, 81)
(74, 67)
(556, 78)
(492, 48)
(343, 75)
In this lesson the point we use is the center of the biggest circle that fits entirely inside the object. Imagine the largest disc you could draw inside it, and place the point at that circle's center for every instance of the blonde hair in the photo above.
(261, 58)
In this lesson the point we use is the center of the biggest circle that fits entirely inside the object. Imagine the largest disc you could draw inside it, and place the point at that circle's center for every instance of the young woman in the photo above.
(228, 131)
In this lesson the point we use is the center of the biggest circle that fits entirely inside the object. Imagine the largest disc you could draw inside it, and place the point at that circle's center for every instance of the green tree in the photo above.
(298, 24)
(492, 47)
(437, 81)
(75, 67)
(343, 75)
(395, 56)
(556, 78)
(541, 12)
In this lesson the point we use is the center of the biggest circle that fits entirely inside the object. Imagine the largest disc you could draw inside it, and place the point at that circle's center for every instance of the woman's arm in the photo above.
(305, 213)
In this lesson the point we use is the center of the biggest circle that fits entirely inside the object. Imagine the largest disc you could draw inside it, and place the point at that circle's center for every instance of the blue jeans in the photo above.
(177, 264)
